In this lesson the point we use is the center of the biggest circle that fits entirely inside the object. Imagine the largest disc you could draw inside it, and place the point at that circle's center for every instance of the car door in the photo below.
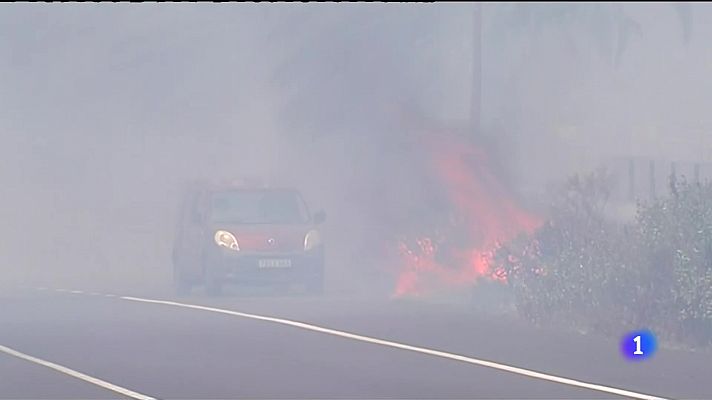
(191, 238)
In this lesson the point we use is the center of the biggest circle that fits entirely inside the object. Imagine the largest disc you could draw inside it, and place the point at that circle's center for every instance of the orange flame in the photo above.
(486, 212)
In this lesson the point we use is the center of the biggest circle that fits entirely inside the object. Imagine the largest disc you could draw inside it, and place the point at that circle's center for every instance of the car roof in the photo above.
(245, 184)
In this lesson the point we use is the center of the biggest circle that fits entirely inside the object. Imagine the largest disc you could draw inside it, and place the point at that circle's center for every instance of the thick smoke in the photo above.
(108, 109)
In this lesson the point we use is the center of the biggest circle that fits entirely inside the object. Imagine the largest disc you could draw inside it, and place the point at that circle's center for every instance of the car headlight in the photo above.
(226, 239)
(311, 240)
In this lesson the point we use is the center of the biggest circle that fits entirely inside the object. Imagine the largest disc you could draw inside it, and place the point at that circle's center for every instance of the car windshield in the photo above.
(258, 207)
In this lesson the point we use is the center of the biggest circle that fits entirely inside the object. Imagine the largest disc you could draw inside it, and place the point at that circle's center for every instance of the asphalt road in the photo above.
(165, 351)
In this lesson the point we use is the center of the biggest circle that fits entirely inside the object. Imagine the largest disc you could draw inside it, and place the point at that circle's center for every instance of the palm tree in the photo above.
(611, 27)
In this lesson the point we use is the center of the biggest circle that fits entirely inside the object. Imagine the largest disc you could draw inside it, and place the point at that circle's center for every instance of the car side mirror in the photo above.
(319, 217)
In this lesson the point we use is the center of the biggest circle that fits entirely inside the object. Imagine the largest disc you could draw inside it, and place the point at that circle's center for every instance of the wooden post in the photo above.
(652, 179)
(476, 94)
(631, 179)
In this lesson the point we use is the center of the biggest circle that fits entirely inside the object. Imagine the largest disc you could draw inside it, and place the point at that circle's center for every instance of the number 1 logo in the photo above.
(637, 351)
(638, 345)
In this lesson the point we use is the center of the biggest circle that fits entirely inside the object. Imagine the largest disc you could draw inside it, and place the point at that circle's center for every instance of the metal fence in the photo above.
(643, 179)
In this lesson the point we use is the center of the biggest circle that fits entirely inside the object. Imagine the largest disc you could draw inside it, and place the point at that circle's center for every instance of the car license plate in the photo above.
(275, 263)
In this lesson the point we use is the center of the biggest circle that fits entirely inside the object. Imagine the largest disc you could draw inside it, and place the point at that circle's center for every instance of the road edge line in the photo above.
(422, 350)
(76, 374)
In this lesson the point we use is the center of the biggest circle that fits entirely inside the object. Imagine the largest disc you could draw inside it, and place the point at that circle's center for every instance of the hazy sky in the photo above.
(105, 108)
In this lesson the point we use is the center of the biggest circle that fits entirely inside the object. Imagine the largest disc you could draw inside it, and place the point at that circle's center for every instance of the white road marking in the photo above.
(436, 353)
(367, 339)
(75, 374)
(76, 292)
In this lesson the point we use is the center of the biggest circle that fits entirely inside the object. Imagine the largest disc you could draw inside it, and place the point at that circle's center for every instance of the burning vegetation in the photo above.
(456, 248)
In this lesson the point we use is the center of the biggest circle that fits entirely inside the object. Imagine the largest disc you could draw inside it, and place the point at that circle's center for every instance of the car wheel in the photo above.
(181, 285)
(315, 281)
(316, 285)
(211, 278)
(213, 287)
(213, 282)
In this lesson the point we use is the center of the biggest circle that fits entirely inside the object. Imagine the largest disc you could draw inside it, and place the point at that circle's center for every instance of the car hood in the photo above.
(267, 238)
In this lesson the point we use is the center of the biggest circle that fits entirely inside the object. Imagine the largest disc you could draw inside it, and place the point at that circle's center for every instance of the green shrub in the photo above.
(591, 273)
(674, 244)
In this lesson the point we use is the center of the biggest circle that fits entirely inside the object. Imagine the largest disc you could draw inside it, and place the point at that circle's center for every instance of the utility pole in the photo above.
(476, 94)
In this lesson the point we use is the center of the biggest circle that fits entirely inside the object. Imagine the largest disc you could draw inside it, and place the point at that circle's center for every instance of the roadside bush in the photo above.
(674, 247)
(588, 272)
